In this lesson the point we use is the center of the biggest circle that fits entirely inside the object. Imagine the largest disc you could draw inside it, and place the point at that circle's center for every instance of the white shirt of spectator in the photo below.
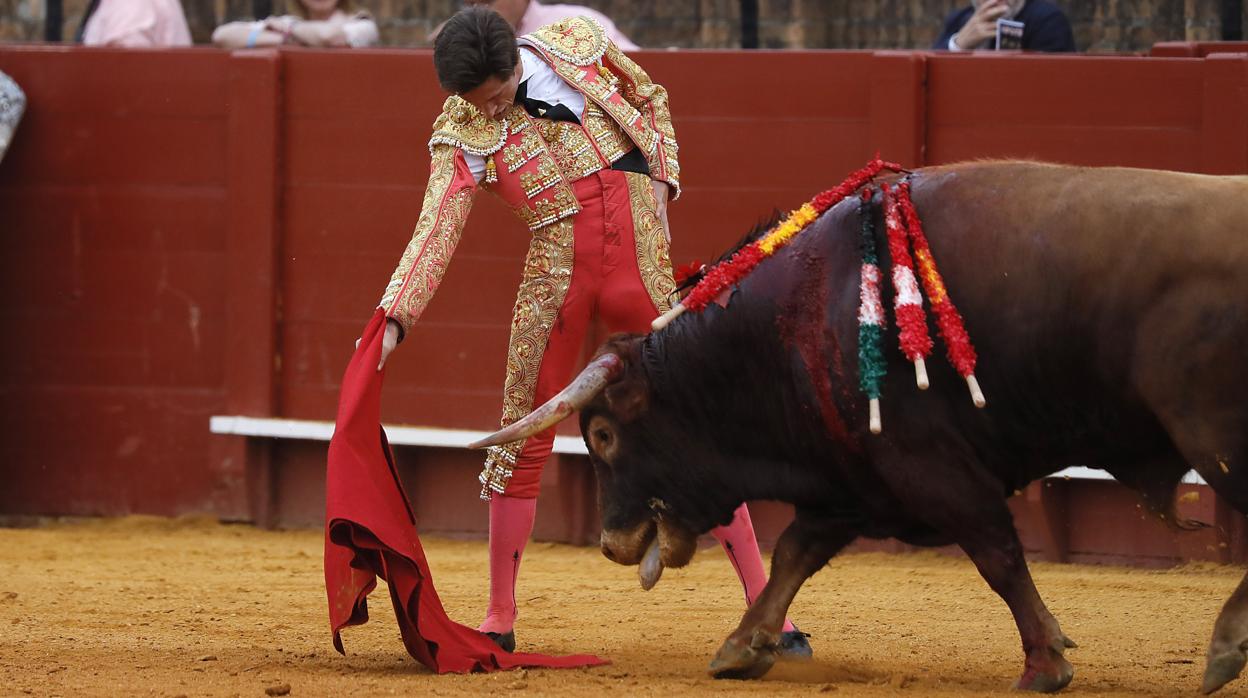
(137, 24)
(542, 83)
(360, 29)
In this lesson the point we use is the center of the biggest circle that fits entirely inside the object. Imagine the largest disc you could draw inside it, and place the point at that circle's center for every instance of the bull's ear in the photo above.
(628, 398)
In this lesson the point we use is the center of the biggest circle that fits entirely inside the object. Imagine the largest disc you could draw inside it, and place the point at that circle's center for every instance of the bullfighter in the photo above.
(578, 141)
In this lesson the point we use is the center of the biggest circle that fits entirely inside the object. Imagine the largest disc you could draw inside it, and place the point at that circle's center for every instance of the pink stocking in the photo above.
(742, 548)
(511, 522)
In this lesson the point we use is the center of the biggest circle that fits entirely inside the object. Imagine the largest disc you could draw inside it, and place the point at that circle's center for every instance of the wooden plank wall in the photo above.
(112, 212)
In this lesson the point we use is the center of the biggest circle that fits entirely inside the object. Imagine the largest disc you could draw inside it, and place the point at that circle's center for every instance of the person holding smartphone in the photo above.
(1045, 26)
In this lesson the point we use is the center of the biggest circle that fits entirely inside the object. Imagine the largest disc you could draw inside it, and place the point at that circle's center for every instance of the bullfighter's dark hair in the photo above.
(475, 44)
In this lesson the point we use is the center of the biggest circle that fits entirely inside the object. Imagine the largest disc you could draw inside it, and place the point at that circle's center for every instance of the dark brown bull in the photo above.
(1110, 311)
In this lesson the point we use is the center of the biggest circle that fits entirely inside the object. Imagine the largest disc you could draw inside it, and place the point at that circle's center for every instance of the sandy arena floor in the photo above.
(143, 606)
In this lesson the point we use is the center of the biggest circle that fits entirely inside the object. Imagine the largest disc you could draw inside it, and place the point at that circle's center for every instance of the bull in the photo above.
(1110, 309)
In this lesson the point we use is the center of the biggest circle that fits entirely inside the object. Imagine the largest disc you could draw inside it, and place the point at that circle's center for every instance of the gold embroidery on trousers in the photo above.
(500, 461)
(547, 277)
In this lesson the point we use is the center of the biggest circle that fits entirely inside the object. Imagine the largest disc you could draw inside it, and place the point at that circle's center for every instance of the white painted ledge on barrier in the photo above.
(311, 430)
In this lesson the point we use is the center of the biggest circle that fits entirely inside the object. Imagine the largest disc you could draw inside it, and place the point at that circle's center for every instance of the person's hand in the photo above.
(982, 25)
(283, 25)
(661, 190)
(388, 342)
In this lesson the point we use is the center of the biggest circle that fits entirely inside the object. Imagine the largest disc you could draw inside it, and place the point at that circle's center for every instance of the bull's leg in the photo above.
(1188, 364)
(960, 499)
(1226, 656)
(1223, 469)
(804, 547)
(999, 558)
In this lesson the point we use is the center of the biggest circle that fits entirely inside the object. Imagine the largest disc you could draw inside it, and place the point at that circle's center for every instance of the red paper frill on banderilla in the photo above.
(370, 532)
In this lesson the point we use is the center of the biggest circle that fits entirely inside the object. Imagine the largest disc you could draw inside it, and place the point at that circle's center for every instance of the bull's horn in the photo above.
(584, 388)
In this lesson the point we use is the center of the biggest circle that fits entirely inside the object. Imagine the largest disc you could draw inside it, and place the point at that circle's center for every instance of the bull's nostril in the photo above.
(606, 552)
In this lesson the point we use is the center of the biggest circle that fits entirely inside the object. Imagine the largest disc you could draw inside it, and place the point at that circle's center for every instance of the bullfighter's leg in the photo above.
(971, 511)
(548, 330)
(803, 549)
(741, 546)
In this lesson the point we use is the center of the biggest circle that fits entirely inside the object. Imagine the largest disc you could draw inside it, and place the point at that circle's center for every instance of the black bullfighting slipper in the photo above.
(793, 645)
(507, 641)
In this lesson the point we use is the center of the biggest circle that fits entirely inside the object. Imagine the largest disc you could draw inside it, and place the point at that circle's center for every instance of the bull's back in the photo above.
(1103, 236)
(1074, 284)
(1092, 294)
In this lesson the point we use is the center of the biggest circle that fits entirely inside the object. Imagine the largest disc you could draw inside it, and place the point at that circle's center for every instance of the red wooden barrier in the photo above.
(113, 205)
(195, 232)
(1196, 49)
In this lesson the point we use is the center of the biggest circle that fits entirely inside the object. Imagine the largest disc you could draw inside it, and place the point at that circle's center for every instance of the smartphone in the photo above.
(1009, 34)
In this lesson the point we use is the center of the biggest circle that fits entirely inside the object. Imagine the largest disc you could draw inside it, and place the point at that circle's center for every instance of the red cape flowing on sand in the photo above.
(370, 532)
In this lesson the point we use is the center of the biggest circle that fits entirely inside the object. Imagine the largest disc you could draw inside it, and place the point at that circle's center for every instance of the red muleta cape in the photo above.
(370, 532)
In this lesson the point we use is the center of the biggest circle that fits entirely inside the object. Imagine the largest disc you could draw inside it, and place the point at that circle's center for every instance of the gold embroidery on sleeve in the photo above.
(578, 40)
(461, 125)
(651, 99)
(653, 260)
(437, 232)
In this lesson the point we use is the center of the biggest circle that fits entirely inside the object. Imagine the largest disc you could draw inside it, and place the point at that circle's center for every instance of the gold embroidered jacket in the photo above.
(532, 163)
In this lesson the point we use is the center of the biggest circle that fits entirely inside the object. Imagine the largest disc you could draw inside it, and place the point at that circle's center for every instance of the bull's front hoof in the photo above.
(1221, 669)
(1050, 679)
(738, 659)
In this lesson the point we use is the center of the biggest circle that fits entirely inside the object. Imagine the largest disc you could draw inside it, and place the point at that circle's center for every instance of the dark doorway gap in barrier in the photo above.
(749, 23)
(54, 17)
(1232, 20)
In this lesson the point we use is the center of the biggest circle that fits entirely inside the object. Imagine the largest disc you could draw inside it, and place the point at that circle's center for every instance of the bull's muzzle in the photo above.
(597, 375)
(653, 545)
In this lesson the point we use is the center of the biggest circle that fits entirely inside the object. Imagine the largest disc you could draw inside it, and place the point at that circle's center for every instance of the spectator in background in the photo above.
(1045, 26)
(134, 24)
(12, 105)
(322, 23)
(527, 16)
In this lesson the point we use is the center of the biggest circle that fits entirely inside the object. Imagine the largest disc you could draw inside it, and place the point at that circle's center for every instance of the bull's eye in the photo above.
(601, 437)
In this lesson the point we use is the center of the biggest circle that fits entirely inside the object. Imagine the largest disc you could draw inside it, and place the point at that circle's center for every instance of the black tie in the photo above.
(543, 110)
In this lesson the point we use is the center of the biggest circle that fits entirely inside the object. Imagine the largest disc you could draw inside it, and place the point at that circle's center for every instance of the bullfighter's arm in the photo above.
(448, 198)
(650, 99)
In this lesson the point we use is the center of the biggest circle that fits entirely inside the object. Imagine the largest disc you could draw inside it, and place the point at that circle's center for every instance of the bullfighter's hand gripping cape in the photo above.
(370, 532)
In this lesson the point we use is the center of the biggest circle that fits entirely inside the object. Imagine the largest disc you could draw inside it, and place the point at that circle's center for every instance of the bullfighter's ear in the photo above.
(627, 399)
